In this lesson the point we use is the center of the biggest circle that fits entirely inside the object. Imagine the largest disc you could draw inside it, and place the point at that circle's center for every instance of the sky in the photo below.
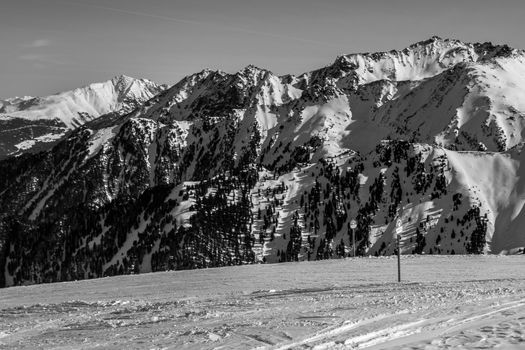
(49, 46)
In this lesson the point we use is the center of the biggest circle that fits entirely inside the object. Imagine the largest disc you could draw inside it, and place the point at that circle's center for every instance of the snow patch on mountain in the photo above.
(100, 138)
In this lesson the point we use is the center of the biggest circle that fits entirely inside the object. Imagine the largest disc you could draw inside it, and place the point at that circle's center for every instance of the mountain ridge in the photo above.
(226, 169)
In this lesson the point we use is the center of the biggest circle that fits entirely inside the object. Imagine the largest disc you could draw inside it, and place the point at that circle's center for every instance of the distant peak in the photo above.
(124, 82)
(253, 73)
(430, 40)
(122, 78)
(433, 40)
(252, 69)
(208, 71)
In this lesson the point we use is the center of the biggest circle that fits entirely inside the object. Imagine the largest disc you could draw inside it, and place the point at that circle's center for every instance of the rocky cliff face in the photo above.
(226, 169)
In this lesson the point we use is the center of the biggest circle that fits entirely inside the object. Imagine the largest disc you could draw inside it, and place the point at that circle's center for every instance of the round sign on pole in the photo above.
(353, 224)
(399, 227)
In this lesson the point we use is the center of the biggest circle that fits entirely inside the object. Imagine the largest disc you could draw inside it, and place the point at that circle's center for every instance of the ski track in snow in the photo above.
(444, 302)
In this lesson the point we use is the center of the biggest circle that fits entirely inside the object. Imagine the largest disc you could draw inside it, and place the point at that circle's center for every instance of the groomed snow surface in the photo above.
(444, 302)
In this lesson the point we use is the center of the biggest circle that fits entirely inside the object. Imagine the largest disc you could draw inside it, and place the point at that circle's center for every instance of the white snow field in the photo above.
(444, 302)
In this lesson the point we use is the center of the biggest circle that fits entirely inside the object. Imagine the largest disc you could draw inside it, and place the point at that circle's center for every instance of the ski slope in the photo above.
(443, 302)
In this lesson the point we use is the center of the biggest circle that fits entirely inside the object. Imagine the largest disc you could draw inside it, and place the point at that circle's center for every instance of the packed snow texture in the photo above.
(443, 302)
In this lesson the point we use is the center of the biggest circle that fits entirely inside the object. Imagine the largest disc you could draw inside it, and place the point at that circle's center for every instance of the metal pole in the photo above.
(398, 258)
(353, 241)
(353, 226)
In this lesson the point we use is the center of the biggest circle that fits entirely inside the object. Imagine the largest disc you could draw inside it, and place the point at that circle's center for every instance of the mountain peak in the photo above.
(253, 68)
(433, 39)
(123, 79)
(128, 80)
(253, 72)
(418, 61)
(47, 119)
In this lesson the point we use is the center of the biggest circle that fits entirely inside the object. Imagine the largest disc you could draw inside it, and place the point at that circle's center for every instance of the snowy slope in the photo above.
(338, 304)
(34, 121)
(497, 182)
(474, 106)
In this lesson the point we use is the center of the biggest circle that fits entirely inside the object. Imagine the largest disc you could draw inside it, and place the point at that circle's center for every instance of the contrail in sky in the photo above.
(181, 20)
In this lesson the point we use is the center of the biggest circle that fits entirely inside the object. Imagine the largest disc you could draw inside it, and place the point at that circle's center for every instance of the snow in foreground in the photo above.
(444, 302)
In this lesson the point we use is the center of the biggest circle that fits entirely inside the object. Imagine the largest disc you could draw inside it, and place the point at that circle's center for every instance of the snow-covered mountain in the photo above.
(226, 169)
(30, 124)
